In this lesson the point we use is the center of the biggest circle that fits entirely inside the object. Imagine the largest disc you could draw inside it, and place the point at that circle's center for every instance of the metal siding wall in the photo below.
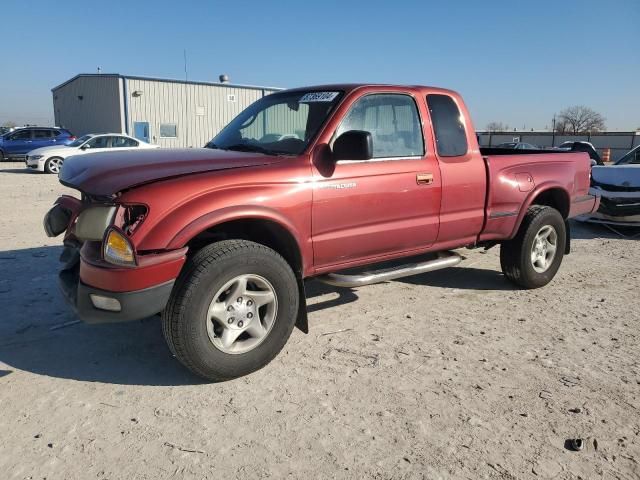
(98, 111)
(175, 102)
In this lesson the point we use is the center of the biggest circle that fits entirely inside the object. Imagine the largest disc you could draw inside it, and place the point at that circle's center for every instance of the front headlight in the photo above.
(94, 221)
(35, 157)
(117, 249)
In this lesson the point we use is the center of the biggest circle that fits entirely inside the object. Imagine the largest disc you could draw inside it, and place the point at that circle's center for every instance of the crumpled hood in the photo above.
(107, 173)
(622, 176)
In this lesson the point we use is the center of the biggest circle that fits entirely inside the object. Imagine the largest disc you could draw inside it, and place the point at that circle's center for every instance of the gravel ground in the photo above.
(452, 374)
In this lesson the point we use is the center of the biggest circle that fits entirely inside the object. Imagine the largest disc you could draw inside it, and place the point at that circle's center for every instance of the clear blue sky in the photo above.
(515, 62)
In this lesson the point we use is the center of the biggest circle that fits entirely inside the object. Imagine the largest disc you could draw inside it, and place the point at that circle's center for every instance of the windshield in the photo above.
(632, 157)
(280, 123)
(79, 141)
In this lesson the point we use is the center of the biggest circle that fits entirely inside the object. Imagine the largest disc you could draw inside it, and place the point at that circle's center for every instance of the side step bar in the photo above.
(444, 260)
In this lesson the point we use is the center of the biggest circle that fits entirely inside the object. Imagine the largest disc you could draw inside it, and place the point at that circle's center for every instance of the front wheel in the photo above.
(232, 309)
(532, 258)
(53, 165)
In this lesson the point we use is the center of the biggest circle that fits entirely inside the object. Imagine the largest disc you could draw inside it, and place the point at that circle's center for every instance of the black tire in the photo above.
(184, 319)
(515, 254)
(1, 156)
(47, 165)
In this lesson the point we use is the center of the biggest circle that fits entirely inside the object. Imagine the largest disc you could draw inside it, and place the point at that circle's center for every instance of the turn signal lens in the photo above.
(118, 250)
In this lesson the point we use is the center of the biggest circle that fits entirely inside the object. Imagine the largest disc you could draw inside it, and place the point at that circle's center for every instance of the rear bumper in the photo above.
(137, 292)
(584, 204)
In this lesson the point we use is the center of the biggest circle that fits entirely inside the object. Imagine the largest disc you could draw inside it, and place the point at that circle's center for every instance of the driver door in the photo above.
(386, 205)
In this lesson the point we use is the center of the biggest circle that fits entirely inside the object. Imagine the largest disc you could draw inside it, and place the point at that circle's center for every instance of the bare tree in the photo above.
(579, 119)
(497, 127)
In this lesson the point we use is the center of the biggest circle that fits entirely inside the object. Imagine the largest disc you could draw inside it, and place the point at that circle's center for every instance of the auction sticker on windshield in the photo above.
(318, 97)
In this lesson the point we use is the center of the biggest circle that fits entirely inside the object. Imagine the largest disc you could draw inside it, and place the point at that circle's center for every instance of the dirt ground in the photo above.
(452, 374)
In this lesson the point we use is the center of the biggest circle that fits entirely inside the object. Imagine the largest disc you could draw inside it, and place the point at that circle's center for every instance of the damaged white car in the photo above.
(618, 186)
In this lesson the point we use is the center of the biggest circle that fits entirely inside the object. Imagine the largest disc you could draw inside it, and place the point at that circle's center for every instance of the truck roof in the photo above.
(348, 87)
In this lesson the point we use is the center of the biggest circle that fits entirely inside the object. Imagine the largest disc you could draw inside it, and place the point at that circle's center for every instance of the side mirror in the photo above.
(353, 145)
(85, 146)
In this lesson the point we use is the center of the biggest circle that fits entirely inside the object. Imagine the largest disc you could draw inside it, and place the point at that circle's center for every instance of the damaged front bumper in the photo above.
(619, 207)
(122, 301)
(99, 291)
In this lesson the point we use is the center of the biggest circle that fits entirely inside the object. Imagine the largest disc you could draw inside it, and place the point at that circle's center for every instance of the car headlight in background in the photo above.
(35, 157)
(117, 249)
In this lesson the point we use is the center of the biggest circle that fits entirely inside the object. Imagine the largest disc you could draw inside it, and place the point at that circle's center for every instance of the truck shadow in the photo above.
(589, 231)
(40, 334)
(465, 278)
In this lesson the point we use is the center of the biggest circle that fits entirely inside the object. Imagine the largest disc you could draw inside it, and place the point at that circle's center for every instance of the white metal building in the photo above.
(169, 113)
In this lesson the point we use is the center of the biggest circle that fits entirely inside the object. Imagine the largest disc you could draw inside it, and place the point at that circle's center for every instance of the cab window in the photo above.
(392, 120)
(448, 126)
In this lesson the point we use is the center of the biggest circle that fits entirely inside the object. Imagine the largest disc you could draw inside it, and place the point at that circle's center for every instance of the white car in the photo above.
(50, 159)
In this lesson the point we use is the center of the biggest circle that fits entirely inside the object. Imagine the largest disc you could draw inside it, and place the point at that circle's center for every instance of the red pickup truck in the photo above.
(309, 182)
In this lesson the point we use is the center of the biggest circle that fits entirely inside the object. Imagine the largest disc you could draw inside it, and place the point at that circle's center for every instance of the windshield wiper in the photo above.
(246, 147)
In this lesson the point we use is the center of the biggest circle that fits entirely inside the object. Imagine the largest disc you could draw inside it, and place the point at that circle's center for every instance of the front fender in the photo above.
(228, 214)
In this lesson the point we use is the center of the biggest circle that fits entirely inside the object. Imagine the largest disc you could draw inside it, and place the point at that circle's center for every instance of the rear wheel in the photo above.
(53, 165)
(533, 257)
(232, 309)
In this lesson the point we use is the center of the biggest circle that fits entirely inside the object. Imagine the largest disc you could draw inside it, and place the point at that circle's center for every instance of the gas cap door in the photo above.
(525, 182)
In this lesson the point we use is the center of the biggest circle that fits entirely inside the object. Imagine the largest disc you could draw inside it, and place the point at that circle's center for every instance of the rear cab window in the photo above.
(393, 121)
(448, 126)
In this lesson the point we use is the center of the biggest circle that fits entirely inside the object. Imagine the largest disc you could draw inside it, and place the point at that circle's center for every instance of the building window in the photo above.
(168, 130)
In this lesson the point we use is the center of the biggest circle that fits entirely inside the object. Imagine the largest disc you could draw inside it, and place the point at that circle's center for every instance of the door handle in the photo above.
(424, 178)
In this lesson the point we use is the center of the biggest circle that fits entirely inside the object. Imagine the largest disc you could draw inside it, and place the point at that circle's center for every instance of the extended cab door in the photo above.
(386, 205)
(464, 175)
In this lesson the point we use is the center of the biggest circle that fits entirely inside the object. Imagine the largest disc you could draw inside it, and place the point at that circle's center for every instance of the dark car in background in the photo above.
(581, 146)
(632, 157)
(23, 140)
(517, 146)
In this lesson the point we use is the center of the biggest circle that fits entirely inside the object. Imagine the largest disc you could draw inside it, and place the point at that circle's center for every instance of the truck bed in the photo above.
(515, 178)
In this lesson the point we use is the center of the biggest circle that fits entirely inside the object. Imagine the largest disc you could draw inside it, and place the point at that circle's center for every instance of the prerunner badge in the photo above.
(318, 97)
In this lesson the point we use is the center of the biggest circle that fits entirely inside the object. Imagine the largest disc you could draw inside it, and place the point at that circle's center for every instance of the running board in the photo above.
(444, 260)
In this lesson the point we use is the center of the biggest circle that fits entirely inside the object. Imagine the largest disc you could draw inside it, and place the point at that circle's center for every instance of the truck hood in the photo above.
(107, 173)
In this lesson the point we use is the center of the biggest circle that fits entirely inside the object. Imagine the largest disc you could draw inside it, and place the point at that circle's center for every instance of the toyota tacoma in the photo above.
(309, 182)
